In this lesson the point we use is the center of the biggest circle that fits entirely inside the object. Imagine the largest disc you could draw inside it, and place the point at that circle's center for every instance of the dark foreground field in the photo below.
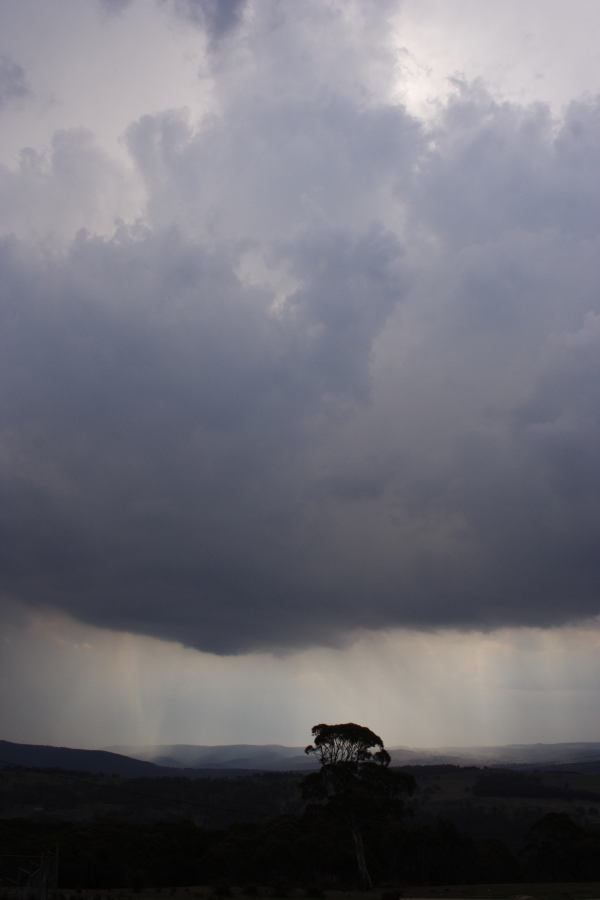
(548, 891)
(530, 833)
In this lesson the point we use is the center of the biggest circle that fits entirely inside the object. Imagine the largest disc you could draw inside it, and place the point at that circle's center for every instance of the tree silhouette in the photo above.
(354, 781)
(348, 743)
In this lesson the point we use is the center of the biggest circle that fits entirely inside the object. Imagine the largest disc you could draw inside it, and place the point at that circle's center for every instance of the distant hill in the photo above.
(519, 754)
(33, 756)
(254, 757)
(278, 758)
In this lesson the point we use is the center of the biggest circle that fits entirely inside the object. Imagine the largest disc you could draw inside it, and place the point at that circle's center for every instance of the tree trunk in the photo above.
(361, 861)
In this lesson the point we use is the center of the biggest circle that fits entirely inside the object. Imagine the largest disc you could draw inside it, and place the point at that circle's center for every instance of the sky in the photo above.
(299, 370)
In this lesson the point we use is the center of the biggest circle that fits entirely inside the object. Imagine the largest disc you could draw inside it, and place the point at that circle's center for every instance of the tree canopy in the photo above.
(346, 743)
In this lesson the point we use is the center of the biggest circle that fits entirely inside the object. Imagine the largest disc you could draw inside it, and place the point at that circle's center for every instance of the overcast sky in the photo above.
(299, 369)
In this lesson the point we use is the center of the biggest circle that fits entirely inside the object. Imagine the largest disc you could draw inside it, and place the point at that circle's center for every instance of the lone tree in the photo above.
(355, 780)
(347, 743)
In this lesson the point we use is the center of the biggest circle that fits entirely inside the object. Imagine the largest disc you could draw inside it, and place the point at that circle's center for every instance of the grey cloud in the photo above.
(343, 377)
(71, 186)
(114, 6)
(217, 17)
(14, 85)
(497, 166)
(153, 441)
(258, 174)
(180, 461)
(298, 121)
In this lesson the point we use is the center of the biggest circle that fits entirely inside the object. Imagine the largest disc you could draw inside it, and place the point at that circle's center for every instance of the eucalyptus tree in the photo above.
(355, 781)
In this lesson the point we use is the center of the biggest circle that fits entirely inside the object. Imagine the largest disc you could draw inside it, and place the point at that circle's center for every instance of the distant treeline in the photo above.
(509, 783)
(215, 802)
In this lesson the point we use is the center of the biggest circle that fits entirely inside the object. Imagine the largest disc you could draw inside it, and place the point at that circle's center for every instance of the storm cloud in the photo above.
(343, 374)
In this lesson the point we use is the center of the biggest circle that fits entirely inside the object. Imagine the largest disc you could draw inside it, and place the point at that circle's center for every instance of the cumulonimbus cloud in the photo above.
(343, 376)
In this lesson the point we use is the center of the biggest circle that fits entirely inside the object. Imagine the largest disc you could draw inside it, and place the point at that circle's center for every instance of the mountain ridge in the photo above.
(180, 760)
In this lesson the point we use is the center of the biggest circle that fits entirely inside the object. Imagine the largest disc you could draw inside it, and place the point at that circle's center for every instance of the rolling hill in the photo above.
(34, 756)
